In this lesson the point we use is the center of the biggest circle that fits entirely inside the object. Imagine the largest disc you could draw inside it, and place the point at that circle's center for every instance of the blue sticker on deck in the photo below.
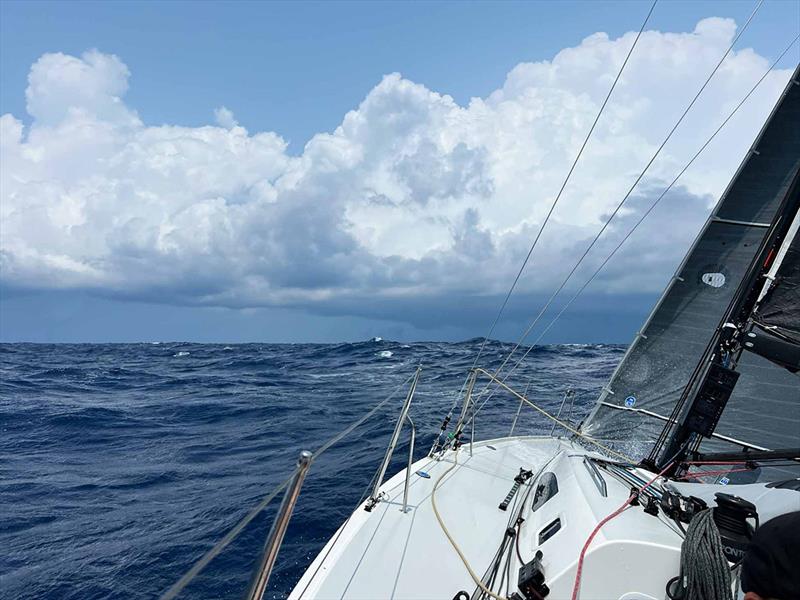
(724, 481)
(630, 401)
(423, 474)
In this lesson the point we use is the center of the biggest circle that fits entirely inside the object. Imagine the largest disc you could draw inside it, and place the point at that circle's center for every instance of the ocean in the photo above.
(121, 464)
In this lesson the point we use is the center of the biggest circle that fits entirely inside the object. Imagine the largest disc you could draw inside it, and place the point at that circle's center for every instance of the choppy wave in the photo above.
(123, 464)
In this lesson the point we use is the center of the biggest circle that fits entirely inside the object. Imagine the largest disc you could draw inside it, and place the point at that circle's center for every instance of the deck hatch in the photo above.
(546, 488)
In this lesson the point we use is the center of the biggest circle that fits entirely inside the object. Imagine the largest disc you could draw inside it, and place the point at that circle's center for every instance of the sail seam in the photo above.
(743, 223)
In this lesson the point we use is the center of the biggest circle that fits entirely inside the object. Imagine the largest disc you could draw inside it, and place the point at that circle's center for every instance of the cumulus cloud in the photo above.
(412, 195)
(224, 117)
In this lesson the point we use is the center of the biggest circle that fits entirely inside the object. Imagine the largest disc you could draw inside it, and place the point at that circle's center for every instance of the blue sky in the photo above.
(296, 69)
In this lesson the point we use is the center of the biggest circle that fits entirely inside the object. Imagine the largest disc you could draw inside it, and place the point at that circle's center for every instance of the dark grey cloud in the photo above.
(415, 210)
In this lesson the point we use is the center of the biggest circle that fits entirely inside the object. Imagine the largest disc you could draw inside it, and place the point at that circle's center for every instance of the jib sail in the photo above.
(662, 357)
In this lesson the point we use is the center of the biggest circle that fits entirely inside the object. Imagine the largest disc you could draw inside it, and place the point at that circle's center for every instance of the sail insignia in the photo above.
(660, 362)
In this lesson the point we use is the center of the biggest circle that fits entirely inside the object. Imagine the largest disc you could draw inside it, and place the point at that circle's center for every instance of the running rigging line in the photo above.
(643, 217)
(563, 185)
(624, 199)
(651, 208)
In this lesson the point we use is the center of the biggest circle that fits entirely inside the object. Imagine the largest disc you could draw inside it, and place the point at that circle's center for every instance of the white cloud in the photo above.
(62, 87)
(411, 194)
(224, 117)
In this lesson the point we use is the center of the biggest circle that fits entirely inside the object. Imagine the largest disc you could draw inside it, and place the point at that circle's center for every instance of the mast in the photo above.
(715, 375)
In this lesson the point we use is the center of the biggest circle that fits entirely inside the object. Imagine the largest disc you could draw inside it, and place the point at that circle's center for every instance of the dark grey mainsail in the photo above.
(662, 357)
(764, 410)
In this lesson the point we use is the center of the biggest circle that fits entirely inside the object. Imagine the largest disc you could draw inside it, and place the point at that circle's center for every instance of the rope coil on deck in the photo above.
(704, 569)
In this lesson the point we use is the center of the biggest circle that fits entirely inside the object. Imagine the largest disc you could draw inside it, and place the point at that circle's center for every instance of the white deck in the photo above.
(390, 554)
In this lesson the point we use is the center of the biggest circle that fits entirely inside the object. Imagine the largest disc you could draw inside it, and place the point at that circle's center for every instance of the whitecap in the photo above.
(377, 339)
(327, 375)
(181, 353)
(228, 348)
(385, 353)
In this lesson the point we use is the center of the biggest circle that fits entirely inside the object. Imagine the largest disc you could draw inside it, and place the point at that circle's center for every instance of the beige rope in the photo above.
(453, 543)
(441, 477)
(556, 419)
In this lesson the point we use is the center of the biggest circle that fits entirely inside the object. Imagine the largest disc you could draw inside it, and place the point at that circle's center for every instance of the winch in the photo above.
(731, 516)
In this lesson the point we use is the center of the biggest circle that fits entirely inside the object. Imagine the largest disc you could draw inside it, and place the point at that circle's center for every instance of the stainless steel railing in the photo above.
(284, 514)
(468, 404)
(274, 540)
(570, 393)
(275, 537)
(375, 496)
(410, 462)
(519, 410)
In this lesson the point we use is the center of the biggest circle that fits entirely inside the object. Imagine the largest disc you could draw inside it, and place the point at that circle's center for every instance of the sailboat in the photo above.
(703, 412)
(693, 443)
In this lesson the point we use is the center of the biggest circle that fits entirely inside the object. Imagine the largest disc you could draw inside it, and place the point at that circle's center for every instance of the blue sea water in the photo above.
(121, 464)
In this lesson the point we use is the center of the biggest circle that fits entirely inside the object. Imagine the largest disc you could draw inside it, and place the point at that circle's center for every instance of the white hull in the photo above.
(387, 553)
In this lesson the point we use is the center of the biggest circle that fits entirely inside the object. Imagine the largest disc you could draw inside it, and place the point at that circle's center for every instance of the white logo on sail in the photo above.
(715, 280)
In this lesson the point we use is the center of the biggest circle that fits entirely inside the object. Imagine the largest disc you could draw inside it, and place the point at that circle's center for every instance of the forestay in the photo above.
(664, 353)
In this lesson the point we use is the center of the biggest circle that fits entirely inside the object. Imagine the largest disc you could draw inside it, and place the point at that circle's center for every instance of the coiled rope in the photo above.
(704, 574)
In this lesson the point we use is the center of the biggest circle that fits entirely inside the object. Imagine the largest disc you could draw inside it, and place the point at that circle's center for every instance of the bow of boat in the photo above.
(391, 553)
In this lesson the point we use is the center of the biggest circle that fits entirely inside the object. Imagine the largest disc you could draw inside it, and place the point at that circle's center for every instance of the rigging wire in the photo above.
(178, 586)
(563, 186)
(198, 566)
(342, 527)
(648, 211)
(636, 225)
(635, 183)
(566, 426)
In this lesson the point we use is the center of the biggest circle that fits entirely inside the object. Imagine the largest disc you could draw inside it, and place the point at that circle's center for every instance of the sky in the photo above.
(336, 171)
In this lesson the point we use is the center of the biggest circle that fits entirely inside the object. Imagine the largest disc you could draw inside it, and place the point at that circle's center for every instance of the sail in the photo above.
(776, 331)
(662, 357)
(764, 410)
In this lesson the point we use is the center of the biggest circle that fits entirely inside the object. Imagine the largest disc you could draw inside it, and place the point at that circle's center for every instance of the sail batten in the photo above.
(660, 361)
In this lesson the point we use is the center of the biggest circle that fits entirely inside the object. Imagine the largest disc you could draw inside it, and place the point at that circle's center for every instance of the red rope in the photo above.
(576, 589)
(715, 462)
(711, 473)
